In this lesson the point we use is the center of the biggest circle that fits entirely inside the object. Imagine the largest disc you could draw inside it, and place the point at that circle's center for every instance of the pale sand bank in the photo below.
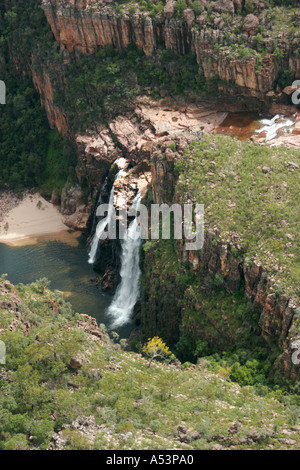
(32, 219)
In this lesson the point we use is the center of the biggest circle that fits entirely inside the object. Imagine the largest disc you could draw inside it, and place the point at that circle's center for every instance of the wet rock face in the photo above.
(126, 187)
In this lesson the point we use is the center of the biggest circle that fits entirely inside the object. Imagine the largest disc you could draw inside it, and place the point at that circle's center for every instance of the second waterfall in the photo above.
(127, 292)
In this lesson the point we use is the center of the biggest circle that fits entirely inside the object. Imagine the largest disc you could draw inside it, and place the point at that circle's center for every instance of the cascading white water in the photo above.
(100, 201)
(127, 292)
(102, 225)
(271, 126)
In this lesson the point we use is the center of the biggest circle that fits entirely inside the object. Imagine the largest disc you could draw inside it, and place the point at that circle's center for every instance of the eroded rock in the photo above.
(251, 23)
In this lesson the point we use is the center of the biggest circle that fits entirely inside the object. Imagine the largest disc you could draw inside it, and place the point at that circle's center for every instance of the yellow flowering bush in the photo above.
(154, 348)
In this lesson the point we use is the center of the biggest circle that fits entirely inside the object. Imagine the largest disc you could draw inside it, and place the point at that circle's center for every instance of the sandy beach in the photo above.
(31, 217)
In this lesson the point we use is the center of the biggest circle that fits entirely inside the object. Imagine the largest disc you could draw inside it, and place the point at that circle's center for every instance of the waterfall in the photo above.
(127, 292)
(100, 201)
(271, 126)
(102, 224)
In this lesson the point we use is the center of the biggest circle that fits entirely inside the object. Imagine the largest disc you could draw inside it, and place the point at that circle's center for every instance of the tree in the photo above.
(165, 383)
(225, 372)
(155, 348)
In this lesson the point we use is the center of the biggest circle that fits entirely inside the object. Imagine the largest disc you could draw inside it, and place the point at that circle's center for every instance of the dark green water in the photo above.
(67, 268)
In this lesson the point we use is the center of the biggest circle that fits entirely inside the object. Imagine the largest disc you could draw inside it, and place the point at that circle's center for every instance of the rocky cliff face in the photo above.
(84, 26)
(277, 314)
(81, 27)
(56, 117)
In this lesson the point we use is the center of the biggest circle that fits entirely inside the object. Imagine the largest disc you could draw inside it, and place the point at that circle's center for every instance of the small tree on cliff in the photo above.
(154, 348)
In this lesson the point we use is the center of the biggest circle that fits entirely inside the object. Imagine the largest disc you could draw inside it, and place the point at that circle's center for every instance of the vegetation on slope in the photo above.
(95, 89)
(249, 194)
(278, 20)
(252, 191)
(30, 153)
(112, 397)
(200, 320)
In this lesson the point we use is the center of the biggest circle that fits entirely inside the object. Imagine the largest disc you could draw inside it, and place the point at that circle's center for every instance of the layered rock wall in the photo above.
(277, 313)
(84, 26)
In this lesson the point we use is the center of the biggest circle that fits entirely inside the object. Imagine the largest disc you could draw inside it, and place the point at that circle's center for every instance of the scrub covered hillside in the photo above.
(66, 385)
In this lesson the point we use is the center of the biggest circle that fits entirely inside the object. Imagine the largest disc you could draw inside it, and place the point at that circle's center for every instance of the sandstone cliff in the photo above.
(277, 314)
(82, 27)
(85, 26)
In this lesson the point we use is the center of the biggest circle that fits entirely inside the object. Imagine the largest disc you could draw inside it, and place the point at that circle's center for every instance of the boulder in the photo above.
(204, 3)
(251, 23)
(169, 10)
(293, 165)
(189, 16)
(218, 22)
(77, 362)
(224, 6)
(289, 90)
(71, 198)
(201, 20)
(238, 4)
(266, 169)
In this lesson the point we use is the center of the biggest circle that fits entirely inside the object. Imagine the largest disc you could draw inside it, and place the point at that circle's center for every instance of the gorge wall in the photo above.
(272, 316)
(218, 38)
(84, 26)
(244, 83)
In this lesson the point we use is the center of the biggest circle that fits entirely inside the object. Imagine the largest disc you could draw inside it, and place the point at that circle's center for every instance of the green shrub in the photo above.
(197, 7)
(249, 7)
(17, 442)
(179, 7)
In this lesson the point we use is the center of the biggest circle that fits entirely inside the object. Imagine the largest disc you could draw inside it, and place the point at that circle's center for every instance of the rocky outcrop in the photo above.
(224, 6)
(19, 314)
(87, 25)
(97, 152)
(75, 207)
(277, 313)
(250, 24)
(55, 114)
